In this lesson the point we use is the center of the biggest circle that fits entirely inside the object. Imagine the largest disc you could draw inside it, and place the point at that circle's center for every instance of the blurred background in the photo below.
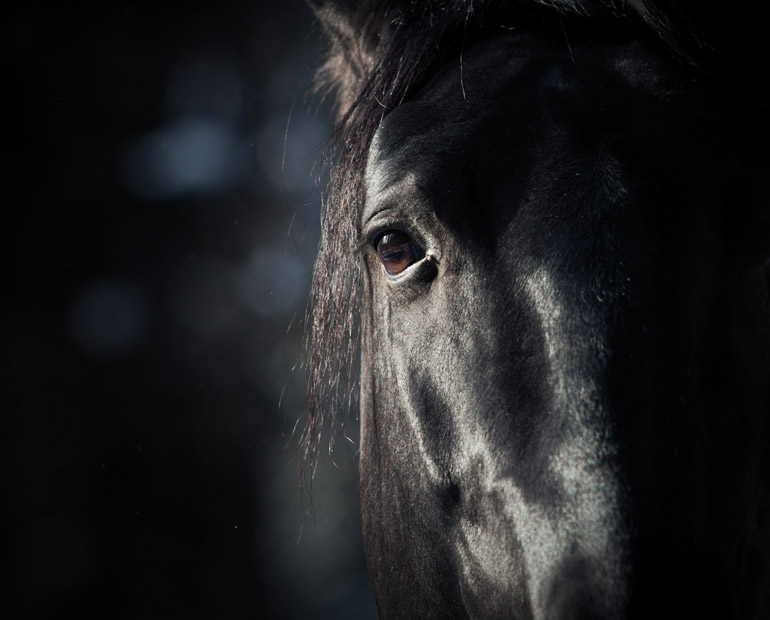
(163, 208)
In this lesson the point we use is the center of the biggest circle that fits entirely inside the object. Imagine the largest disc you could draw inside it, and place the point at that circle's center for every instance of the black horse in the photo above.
(548, 228)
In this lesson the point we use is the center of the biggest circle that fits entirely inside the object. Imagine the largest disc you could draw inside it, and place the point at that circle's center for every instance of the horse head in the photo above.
(555, 231)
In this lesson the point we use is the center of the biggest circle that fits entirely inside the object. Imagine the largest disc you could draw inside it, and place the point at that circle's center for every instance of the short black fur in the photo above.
(564, 399)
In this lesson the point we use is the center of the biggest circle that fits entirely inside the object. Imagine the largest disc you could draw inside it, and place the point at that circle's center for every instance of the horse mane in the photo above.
(376, 58)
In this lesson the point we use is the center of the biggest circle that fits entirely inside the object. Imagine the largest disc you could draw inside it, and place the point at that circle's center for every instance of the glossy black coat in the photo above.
(565, 402)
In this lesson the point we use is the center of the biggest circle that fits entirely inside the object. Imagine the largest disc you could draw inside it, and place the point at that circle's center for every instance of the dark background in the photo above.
(163, 215)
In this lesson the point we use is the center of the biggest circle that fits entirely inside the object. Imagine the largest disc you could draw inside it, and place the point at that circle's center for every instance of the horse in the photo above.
(545, 263)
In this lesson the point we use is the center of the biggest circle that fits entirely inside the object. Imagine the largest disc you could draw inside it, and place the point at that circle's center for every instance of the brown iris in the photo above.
(397, 251)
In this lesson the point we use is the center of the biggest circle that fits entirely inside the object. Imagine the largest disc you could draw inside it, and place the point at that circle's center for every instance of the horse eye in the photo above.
(397, 251)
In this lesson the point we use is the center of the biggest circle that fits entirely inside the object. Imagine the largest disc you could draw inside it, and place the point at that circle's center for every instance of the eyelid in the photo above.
(380, 233)
(387, 218)
(422, 271)
(385, 221)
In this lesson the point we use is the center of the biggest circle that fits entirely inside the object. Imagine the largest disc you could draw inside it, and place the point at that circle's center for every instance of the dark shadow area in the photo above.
(163, 225)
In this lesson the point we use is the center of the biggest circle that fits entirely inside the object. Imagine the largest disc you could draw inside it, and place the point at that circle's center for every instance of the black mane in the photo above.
(373, 64)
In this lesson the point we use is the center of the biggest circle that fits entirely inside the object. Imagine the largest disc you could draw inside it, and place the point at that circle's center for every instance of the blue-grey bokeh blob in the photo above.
(109, 319)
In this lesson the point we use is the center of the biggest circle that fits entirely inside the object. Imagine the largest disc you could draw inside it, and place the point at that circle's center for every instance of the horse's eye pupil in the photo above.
(397, 251)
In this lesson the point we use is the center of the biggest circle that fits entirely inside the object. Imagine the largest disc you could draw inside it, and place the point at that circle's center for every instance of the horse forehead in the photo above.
(440, 119)
(505, 90)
